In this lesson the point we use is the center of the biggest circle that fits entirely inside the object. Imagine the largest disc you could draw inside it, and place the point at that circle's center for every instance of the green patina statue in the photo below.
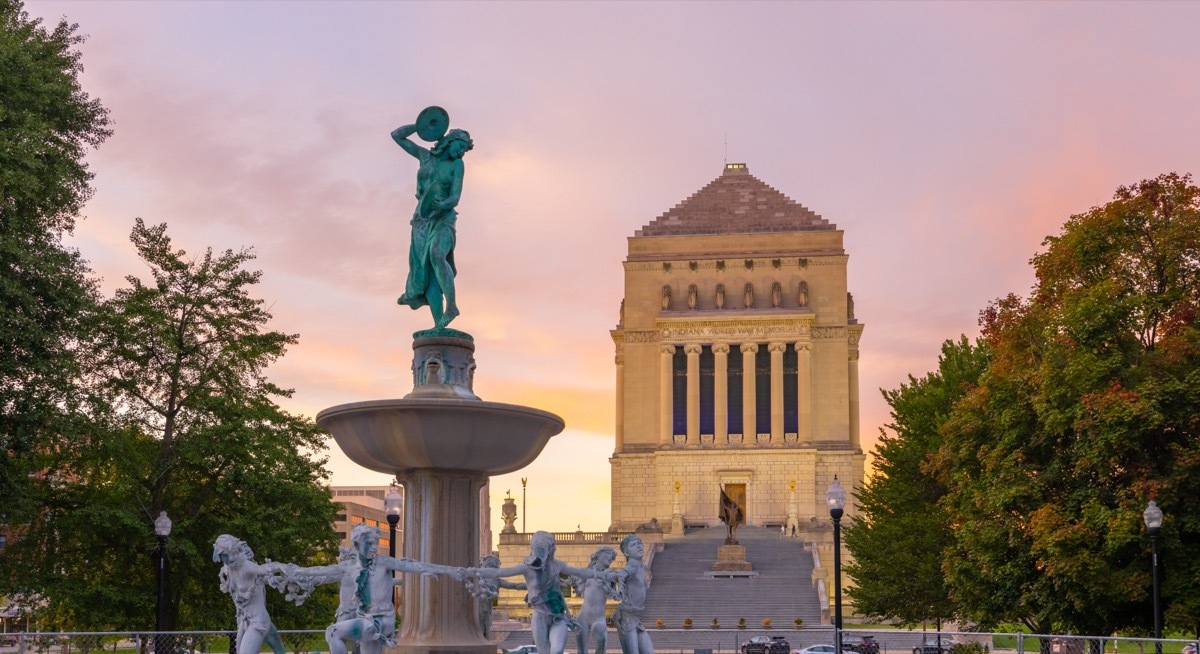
(431, 267)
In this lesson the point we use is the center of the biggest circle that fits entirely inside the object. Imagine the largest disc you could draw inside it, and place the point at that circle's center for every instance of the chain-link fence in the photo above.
(854, 641)
(173, 642)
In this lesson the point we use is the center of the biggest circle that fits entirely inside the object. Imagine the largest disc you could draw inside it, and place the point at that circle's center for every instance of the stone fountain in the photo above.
(440, 441)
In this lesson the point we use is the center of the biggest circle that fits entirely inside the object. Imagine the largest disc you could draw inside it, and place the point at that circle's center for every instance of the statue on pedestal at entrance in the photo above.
(732, 515)
(431, 267)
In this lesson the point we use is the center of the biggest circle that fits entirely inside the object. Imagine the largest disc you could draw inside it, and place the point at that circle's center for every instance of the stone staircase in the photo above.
(783, 591)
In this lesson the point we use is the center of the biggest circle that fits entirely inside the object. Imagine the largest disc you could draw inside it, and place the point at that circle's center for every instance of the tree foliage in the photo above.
(900, 533)
(47, 124)
(1089, 409)
(184, 420)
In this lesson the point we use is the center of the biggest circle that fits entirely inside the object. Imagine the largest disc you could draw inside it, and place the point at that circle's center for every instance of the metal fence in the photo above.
(888, 641)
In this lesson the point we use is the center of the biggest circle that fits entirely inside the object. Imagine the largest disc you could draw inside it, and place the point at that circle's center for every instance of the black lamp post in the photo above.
(162, 527)
(1154, 517)
(392, 503)
(836, 496)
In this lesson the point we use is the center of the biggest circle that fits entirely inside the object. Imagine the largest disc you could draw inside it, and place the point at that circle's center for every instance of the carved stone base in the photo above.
(731, 558)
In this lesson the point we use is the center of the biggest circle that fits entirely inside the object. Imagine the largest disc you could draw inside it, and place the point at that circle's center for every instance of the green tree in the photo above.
(47, 124)
(184, 421)
(1089, 409)
(900, 533)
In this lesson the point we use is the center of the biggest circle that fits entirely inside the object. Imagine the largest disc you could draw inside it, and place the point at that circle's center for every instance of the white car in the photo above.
(815, 649)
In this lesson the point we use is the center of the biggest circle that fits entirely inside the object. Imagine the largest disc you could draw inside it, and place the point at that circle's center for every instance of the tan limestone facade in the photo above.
(736, 363)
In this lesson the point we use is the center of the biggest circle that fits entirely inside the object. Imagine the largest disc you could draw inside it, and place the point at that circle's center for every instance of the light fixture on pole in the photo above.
(524, 480)
(1154, 517)
(162, 528)
(836, 497)
(392, 503)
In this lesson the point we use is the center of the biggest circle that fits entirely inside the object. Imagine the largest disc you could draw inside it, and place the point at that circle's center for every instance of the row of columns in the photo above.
(749, 389)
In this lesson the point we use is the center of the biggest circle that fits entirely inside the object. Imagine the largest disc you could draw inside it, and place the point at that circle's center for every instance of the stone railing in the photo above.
(566, 537)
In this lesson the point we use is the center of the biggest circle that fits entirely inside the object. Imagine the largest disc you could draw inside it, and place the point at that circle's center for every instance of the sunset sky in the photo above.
(945, 139)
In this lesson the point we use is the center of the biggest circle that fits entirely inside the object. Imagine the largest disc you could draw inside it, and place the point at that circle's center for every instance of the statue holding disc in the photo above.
(439, 186)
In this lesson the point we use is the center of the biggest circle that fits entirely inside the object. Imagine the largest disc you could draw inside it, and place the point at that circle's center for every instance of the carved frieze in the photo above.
(827, 333)
(650, 336)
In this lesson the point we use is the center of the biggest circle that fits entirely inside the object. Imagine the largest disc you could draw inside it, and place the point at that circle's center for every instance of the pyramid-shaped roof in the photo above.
(735, 203)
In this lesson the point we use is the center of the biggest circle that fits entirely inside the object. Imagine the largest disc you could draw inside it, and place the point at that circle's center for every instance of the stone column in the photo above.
(776, 350)
(853, 375)
(692, 350)
(720, 393)
(433, 615)
(665, 392)
(804, 401)
(619, 428)
(749, 423)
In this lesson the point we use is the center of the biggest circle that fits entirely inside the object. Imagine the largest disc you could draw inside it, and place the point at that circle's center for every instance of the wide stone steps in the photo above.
(782, 592)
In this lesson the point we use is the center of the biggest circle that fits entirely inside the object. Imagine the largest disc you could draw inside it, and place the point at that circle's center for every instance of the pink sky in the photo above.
(946, 140)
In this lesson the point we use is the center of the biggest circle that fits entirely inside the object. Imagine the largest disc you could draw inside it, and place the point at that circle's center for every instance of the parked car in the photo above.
(931, 646)
(757, 645)
(1190, 648)
(816, 649)
(766, 645)
(859, 644)
(8, 640)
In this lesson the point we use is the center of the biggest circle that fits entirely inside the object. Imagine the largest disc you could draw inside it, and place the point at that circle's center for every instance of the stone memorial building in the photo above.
(736, 363)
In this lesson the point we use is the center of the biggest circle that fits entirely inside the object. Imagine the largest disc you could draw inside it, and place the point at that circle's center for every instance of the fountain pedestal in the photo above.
(442, 442)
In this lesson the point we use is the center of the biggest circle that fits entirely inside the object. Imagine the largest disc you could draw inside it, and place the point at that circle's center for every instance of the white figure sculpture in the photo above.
(366, 613)
(245, 581)
(542, 572)
(493, 585)
(595, 594)
(628, 616)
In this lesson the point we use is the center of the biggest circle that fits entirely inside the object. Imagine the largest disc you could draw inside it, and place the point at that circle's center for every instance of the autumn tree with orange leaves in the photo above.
(1090, 408)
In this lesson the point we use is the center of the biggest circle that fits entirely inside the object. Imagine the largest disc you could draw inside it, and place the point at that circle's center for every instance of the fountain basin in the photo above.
(400, 435)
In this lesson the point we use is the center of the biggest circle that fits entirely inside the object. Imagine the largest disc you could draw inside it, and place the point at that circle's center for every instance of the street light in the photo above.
(392, 503)
(1153, 517)
(836, 497)
(162, 527)
(524, 480)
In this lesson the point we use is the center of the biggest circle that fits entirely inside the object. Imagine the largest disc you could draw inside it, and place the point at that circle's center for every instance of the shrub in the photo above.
(660, 624)
(766, 623)
(799, 622)
(715, 624)
(687, 623)
(741, 623)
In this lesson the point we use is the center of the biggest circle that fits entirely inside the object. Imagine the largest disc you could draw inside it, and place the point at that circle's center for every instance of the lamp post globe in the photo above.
(1154, 518)
(162, 529)
(393, 502)
(836, 498)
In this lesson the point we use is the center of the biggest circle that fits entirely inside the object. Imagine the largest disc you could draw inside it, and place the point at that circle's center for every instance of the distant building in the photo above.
(736, 363)
(364, 505)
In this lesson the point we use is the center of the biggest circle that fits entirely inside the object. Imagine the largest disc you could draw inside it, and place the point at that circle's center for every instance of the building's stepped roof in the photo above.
(735, 203)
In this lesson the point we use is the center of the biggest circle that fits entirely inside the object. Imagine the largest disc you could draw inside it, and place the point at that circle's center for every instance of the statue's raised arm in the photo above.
(431, 268)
